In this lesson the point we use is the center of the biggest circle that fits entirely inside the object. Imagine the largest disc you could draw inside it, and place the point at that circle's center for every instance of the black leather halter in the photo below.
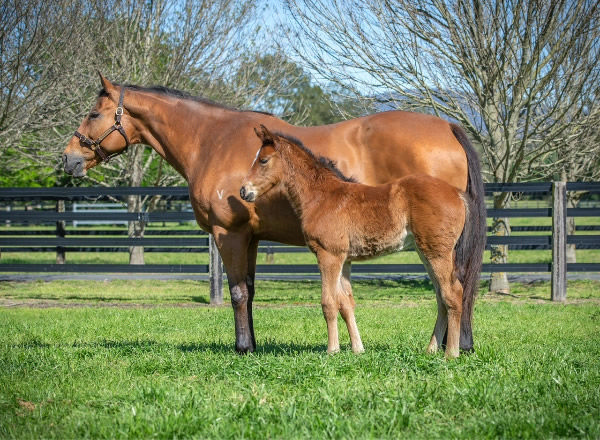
(95, 145)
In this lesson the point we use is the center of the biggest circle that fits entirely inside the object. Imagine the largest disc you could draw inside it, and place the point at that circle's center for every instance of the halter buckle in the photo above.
(119, 111)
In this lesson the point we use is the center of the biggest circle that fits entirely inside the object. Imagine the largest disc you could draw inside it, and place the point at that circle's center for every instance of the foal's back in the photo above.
(387, 218)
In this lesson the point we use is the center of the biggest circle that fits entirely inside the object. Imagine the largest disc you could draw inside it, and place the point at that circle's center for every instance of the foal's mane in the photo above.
(318, 161)
(166, 91)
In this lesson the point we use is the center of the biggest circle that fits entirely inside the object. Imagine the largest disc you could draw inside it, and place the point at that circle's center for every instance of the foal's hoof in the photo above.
(358, 350)
(333, 350)
(451, 354)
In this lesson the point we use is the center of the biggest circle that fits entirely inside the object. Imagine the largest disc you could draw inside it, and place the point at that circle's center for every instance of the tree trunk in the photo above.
(134, 203)
(499, 253)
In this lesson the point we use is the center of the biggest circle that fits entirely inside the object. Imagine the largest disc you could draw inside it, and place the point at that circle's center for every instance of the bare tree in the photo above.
(511, 72)
(581, 163)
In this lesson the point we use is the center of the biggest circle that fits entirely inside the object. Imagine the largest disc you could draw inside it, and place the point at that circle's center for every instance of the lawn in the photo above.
(140, 359)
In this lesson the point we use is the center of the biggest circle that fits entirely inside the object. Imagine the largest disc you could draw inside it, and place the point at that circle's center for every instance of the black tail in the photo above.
(471, 244)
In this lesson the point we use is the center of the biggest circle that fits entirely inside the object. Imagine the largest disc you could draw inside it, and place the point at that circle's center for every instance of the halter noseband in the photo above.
(95, 145)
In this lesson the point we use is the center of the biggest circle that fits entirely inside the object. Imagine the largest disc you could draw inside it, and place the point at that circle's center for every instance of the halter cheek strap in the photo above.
(94, 145)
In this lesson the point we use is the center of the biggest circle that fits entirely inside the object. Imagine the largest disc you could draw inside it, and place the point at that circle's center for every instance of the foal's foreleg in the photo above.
(347, 304)
(330, 267)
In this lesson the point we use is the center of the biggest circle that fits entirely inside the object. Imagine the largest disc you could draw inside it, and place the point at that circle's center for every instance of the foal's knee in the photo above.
(330, 309)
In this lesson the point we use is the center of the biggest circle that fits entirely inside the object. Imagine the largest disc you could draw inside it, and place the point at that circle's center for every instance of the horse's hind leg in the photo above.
(347, 304)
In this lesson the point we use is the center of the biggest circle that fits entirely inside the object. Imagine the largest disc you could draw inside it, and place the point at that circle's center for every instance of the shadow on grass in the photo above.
(128, 346)
(270, 348)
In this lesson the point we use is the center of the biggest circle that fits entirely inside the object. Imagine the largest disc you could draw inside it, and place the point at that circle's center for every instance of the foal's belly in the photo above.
(364, 248)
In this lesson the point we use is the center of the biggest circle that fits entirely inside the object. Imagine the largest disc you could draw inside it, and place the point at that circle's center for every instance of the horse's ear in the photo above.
(264, 135)
(106, 84)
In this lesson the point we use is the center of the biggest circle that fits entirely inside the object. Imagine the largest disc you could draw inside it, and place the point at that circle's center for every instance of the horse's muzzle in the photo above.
(247, 194)
(74, 164)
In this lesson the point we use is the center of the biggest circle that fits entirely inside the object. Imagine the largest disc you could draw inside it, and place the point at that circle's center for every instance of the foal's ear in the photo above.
(264, 135)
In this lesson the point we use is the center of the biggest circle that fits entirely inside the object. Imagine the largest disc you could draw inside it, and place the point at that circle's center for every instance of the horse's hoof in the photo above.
(244, 349)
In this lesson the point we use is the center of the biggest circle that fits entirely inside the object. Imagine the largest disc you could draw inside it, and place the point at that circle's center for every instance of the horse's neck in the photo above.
(163, 125)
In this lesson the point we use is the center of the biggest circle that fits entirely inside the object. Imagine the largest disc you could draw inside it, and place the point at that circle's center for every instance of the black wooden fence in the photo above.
(99, 240)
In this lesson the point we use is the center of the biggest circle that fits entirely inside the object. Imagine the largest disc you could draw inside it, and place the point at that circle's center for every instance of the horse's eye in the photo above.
(94, 115)
(263, 160)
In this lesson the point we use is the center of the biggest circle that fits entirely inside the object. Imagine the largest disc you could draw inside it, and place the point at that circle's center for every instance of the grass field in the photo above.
(142, 359)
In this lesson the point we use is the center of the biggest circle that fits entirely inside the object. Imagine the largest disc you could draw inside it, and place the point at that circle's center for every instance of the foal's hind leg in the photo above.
(347, 304)
(441, 322)
(449, 296)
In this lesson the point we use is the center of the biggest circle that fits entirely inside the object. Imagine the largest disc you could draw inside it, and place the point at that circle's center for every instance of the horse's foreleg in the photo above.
(347, 306)
(330, 267)
(233, 248)
(252, 253)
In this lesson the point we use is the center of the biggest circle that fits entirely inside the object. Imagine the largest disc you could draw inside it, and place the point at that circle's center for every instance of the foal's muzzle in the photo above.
(74, 164)
(247, 194)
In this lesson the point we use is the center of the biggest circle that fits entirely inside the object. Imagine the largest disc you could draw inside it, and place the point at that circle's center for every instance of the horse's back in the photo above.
(382, 147)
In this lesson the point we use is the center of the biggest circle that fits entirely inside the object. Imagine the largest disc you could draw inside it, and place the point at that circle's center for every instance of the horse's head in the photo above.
(266, 170)
(94, 140)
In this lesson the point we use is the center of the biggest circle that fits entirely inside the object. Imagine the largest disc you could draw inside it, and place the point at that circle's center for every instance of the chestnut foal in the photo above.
(343, 220)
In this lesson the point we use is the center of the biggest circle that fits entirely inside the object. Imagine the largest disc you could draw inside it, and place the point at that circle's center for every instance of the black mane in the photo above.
(166, 91)
(320, 161)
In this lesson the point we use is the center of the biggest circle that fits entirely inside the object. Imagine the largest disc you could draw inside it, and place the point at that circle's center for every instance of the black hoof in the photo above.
(244, 349)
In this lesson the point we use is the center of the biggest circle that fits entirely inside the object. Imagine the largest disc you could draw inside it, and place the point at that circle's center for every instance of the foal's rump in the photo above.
(436, 212)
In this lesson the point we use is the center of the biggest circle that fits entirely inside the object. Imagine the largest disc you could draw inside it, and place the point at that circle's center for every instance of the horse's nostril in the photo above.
(243, 193)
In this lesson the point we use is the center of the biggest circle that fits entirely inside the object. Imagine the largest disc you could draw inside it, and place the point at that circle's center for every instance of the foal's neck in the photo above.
(306, 181)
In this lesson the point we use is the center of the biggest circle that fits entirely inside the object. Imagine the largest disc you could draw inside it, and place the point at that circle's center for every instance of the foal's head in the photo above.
(266, 170)
(103, 133)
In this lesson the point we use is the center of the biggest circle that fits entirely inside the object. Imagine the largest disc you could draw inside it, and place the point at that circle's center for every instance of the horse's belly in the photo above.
(366, 248)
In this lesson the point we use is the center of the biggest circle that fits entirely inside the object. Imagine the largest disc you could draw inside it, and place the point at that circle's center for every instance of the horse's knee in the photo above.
(239, 295)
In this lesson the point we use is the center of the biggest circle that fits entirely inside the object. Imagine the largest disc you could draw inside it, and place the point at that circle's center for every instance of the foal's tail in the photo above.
(470, 245)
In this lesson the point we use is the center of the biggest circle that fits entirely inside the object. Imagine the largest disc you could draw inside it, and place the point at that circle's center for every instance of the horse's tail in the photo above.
(471, 244)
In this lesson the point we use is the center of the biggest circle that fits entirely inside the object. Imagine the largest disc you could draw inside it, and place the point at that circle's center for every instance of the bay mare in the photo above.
(343, 220)
(212, 146)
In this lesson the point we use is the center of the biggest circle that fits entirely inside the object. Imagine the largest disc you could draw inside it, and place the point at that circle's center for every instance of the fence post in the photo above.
(60, 233)
(215, 268)
(559, 241)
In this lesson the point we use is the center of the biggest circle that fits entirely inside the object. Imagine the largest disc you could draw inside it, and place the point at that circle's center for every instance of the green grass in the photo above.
(141, 359)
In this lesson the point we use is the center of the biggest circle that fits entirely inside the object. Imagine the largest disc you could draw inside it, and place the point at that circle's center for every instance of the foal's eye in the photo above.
(263, 160)
(94, 115)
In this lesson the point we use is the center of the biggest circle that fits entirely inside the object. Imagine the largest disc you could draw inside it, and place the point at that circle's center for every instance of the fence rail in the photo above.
(18, 240)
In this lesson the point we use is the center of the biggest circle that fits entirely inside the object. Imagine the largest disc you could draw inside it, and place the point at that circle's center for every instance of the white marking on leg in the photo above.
(220, 193)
